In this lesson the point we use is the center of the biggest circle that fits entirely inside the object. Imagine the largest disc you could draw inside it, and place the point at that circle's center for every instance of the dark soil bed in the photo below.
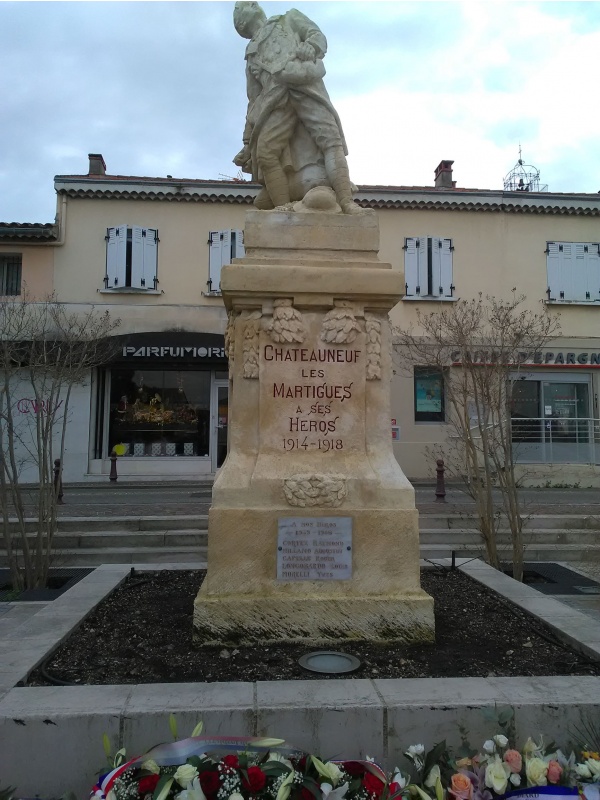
(142, 633)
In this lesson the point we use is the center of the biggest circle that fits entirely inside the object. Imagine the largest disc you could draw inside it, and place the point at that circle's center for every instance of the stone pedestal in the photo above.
(310, 448)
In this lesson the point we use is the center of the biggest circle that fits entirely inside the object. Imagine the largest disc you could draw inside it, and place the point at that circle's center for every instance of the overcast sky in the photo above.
(158, 88)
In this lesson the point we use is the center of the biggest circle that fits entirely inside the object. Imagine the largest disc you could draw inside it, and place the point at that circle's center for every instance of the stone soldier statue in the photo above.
(293, 138)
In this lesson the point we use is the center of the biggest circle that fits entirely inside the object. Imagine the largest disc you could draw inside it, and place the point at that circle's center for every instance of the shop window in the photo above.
(224, 246)
(10, 275)
(160, 412)
(131, 258)
(429, 395)
(573, 272)
(428, 268)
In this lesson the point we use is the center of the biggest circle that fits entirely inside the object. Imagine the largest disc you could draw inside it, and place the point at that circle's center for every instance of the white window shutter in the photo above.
(215, 260)
(422, 289)
(553, 267)
(446, 268)
(225, 248)
(436, 267)
(137, 258)
(151, 258)
(567, 252)
(237, 246)
(116, 256)
(411, 266)
(593, 271)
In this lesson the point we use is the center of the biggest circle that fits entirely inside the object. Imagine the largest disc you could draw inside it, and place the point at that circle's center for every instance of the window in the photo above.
(131, 258)
(160, 412)
(10, 275)
(224, 246)
(428, 267)
(429, 395)
(573, 271)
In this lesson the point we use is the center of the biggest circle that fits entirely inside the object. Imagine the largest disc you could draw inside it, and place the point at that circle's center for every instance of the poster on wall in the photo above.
(429, 394)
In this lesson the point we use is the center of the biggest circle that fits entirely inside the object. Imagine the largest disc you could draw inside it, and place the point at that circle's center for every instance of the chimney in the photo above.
(97, 165)
(443, 176)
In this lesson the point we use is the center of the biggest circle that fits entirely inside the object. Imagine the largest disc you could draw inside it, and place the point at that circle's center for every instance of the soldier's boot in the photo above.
(336, 168)
(276, 183)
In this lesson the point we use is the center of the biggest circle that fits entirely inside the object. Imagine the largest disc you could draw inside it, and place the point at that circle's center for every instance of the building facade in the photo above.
(150, 251)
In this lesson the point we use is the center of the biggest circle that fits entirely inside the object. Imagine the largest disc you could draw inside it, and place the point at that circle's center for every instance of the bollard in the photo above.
(440, 488)
(113, 466)
(58, 487)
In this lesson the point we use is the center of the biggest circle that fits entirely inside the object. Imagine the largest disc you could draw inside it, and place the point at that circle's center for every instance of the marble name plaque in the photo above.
(314, 549)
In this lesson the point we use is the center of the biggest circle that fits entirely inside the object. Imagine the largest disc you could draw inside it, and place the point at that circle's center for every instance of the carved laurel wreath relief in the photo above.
(287, 324)
(230, 338)
(340, 325)
(250, 344)
(373, 328)
(315, 490)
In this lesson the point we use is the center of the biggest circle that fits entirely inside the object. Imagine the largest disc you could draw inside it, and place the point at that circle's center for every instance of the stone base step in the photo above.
(106, 523)
(530, 536)
(94, 556)
(111, 539)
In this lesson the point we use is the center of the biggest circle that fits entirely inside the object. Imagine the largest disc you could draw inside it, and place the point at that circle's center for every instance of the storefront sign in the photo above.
(314, 549)
(162, 351)
(175, 347)
(557, 358)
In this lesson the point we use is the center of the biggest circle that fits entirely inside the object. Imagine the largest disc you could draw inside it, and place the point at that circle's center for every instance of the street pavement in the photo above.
(188, 498)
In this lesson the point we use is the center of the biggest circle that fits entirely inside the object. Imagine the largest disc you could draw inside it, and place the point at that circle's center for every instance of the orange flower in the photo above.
(461, 787)
(514, 760)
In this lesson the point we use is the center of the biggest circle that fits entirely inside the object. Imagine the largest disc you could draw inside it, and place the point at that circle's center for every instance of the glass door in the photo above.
(220, 421)
(565, 407)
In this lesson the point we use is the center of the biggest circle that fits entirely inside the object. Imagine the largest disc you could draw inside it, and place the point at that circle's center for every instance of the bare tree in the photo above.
(480, 347)
(45, 350)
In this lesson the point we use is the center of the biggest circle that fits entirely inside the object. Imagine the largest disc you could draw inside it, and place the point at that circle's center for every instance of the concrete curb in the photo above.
(63, 726)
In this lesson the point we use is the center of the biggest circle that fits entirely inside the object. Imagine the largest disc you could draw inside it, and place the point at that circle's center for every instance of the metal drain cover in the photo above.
(588, 589)
(329, 662)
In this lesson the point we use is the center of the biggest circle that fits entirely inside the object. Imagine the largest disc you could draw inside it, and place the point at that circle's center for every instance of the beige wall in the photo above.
(37, 267)
(183, 230)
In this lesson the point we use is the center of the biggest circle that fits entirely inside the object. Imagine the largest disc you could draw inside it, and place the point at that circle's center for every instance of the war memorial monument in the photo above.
(313, 530)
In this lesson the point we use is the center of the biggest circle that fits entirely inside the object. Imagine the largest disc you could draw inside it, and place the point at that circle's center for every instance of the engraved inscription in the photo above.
(314, 549)
(313, 393)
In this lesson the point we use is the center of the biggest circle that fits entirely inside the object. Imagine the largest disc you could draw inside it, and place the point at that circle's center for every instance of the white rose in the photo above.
(416, 750)
(500, 740)
(185, 774)
(515, 779)
(496, 775)
(594, 767)
(583, 770)
(489, 746)
(536, 771)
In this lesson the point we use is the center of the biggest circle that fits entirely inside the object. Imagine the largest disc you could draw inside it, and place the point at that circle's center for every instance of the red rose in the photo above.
(209, 781)
(231, 761)
(256, 779)
(306, 794)
(354, 769)
(148, 784)
(394, 788)
(372, 784)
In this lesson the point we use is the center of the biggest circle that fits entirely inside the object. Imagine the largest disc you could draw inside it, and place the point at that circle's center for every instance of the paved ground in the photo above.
(156, 499)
